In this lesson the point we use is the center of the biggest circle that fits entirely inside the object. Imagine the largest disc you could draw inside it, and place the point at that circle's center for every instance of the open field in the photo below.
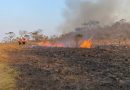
(7, 74)
(38, 68)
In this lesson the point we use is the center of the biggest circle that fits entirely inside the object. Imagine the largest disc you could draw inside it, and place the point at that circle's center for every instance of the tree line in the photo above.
(36, 35)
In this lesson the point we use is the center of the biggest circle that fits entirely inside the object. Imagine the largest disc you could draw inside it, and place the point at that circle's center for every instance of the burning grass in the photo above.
(86, 44)
(50, 44)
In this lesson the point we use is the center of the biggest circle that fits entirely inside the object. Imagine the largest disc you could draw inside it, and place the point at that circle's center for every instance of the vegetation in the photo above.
(10, 36)
(7, 74)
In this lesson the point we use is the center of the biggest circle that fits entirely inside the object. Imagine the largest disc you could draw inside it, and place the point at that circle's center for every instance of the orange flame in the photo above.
(86, 44)
(49, 44)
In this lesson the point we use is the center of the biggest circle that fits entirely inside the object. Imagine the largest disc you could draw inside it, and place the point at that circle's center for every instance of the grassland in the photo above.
(7, 74)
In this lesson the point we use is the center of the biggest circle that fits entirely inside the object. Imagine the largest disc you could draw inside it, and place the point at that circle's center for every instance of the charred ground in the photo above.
(100, 68)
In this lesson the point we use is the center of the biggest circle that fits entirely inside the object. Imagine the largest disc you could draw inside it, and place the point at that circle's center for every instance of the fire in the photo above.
(86, 44)
(49, 44)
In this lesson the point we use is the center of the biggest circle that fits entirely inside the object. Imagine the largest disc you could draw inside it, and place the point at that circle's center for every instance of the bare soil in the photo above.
(100, 68)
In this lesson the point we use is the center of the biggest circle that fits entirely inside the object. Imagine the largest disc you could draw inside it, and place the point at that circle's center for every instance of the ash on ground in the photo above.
(100, 68)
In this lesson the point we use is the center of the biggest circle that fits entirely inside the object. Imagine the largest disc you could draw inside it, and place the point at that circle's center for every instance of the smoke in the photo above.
(106, 12)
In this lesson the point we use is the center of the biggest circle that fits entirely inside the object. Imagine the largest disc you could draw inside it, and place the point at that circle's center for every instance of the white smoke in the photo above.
(104, 11)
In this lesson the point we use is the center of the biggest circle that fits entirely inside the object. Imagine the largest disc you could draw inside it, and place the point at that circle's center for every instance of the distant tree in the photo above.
(11, 36)
(23, 33)
(5, 40)
(54, 39)
(92, 24)
(78, 37)
(37, 35)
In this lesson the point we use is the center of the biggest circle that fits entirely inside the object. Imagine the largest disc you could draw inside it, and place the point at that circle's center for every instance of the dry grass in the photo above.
(7, 74)
(7, 77)
(112, 42)
(9, 47)
(6, 48)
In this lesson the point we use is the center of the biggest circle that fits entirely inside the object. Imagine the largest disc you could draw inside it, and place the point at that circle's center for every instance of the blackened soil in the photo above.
(100, 68)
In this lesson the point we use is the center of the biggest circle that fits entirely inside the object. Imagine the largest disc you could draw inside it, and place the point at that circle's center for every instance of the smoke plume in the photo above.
(106, 12)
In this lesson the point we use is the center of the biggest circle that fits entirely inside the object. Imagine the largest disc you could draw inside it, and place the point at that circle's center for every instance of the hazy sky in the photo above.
(30, 15)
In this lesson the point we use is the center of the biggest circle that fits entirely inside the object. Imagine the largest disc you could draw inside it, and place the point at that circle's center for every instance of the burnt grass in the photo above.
(100, 68)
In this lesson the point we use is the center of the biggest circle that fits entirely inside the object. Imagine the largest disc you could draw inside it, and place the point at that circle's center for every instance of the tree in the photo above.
(22, 33)
(78, 37)
(11, 36)
(37, 35)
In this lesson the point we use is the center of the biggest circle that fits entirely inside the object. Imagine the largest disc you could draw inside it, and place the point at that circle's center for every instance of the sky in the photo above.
(48, 15)
(30, 15)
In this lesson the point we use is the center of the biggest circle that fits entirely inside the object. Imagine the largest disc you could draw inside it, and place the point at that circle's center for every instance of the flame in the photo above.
(49, 44)
(86, 44)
